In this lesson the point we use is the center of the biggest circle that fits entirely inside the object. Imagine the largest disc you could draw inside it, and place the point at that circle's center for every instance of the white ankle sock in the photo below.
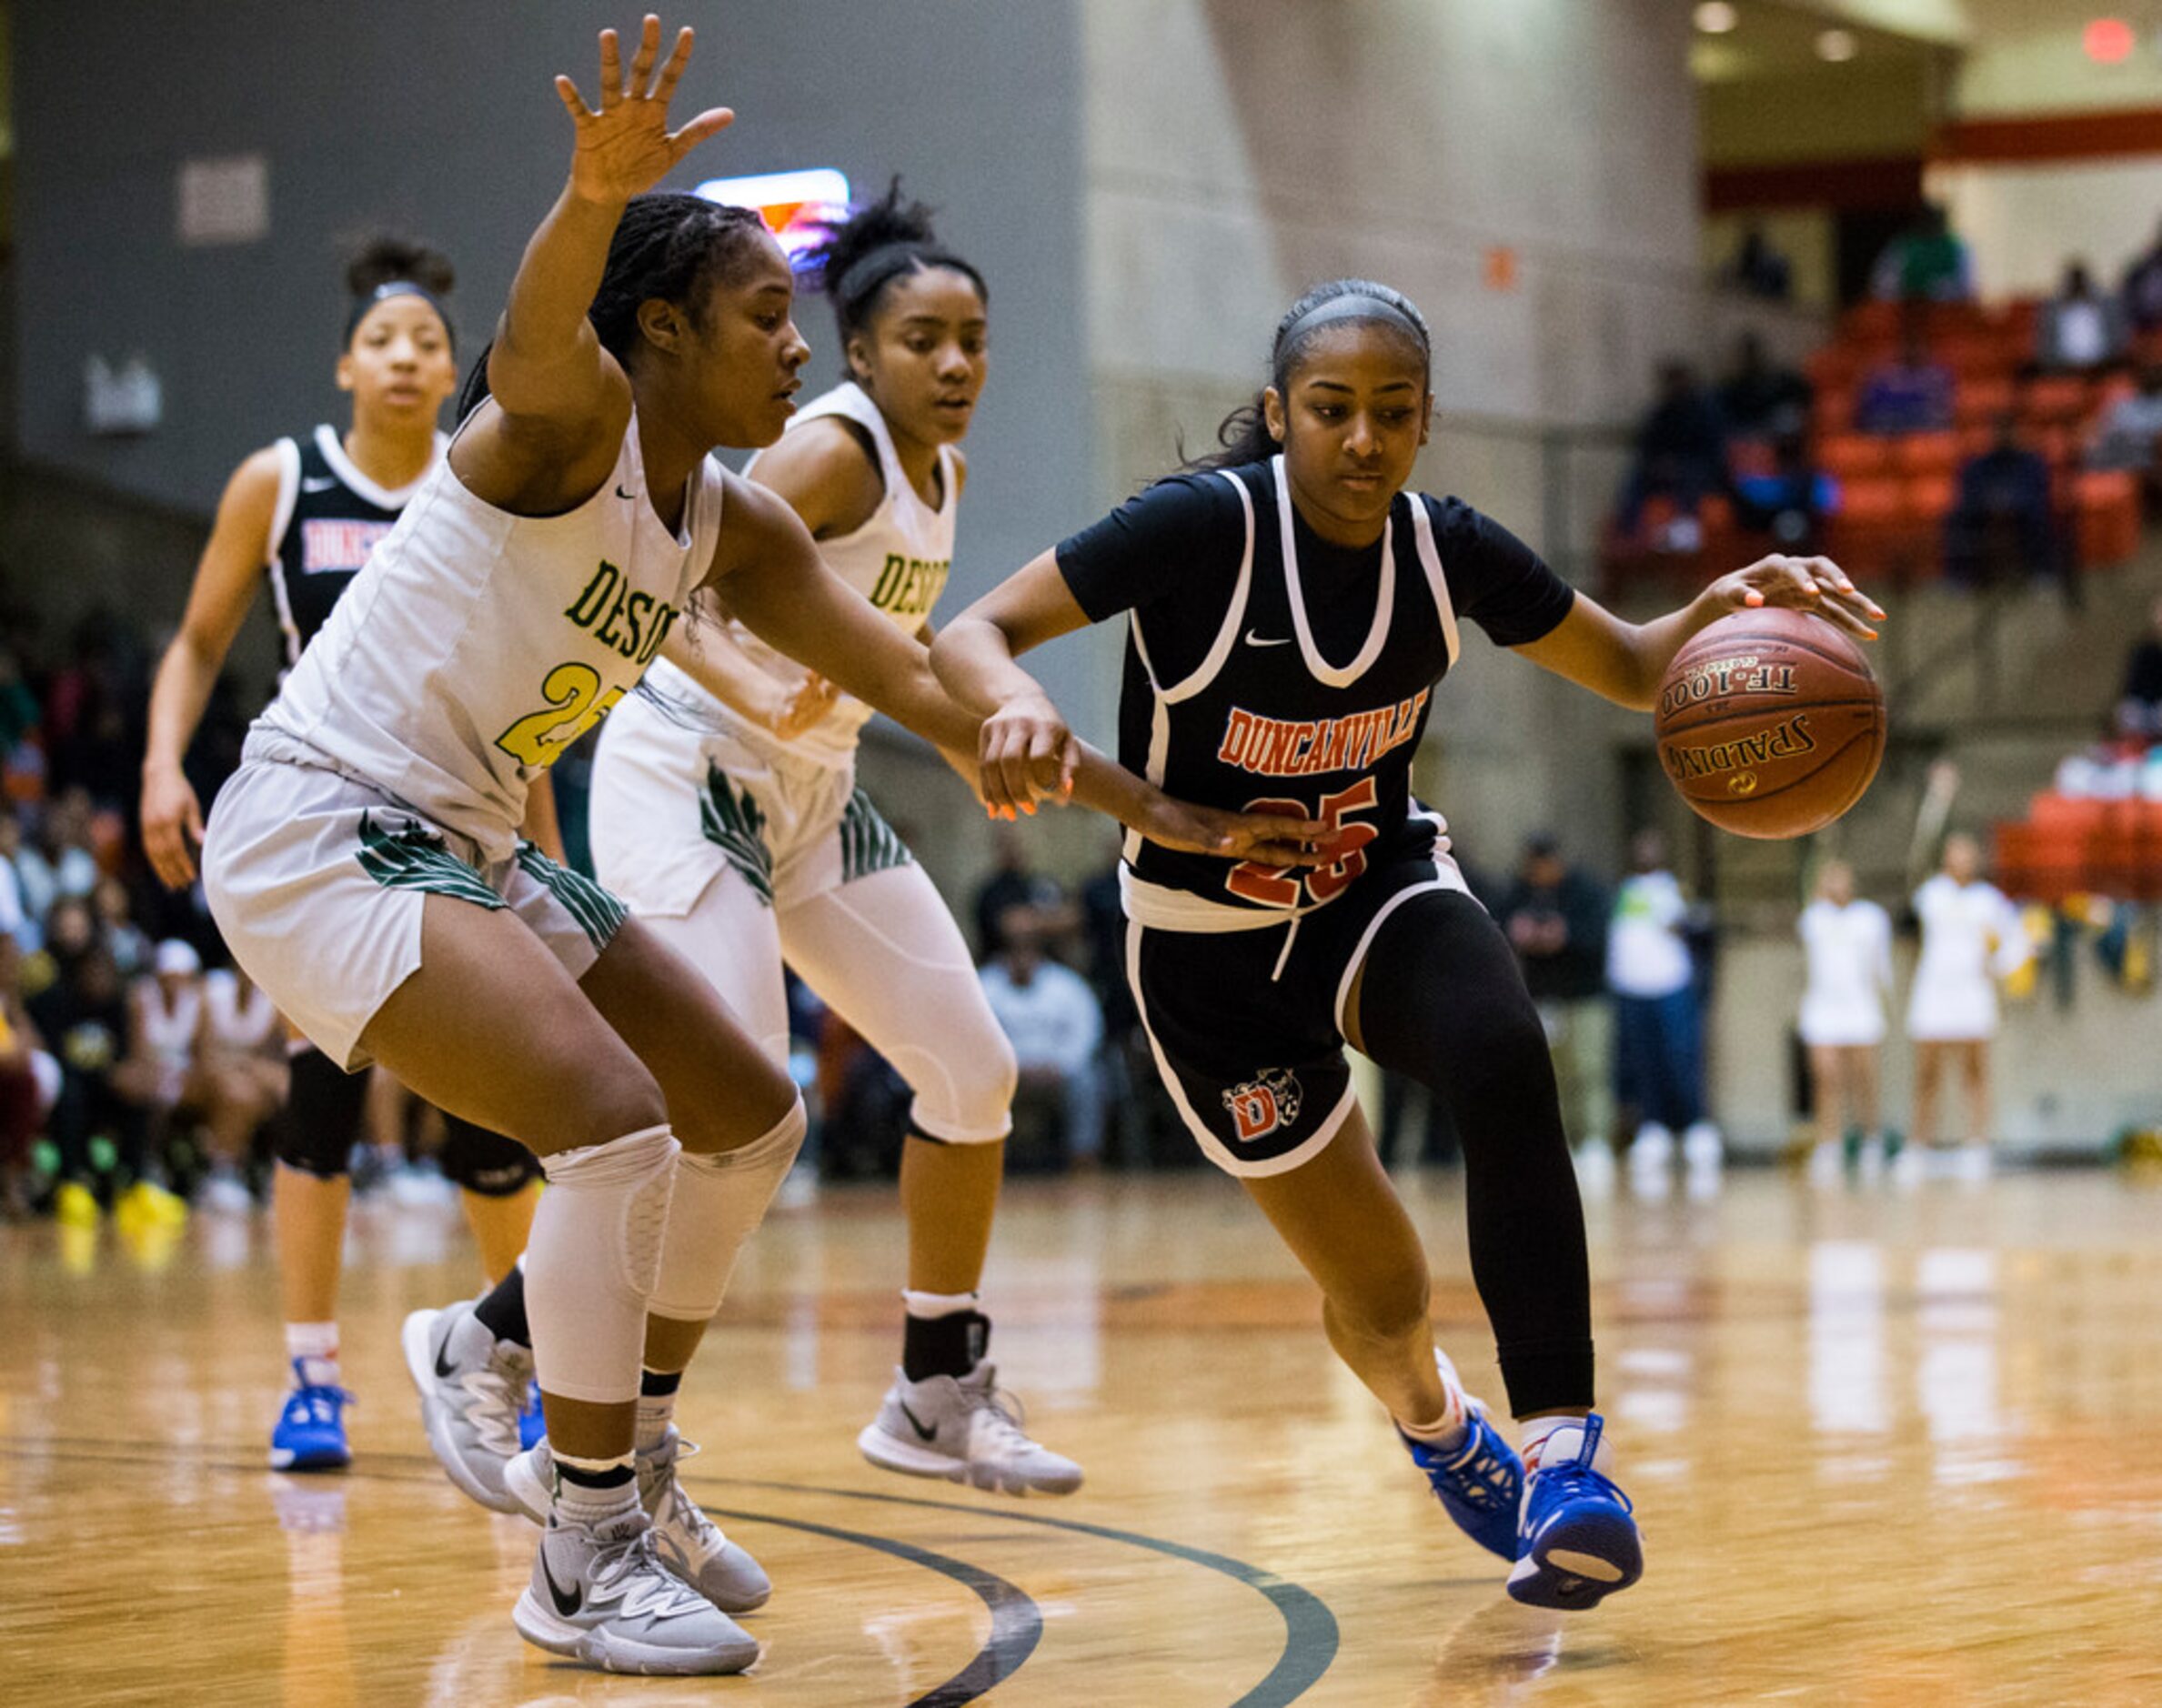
(315, 1345)
(1447, 1429)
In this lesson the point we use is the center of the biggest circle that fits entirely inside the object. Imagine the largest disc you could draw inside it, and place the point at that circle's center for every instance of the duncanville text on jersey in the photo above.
(1273, 747)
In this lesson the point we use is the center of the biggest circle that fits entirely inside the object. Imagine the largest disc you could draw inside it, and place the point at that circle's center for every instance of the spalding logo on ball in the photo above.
(1771, 723)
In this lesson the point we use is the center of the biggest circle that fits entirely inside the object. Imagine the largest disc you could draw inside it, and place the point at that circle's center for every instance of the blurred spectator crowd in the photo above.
(1933, 436)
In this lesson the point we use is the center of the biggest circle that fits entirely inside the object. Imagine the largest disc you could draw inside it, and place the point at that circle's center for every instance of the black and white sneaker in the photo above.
(607, 1598)
(693, 1546)
(472, 1388)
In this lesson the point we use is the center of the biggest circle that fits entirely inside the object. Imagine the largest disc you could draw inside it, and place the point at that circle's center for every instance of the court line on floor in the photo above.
(1310, 1630)
(1016, 1621)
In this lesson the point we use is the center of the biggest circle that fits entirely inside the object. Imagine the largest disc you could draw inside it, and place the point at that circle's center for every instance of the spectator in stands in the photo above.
(83, 1016)
(1013, 883)
(1927, 262)
(240, 1082)
(1555, 916)
(1104, 945)
(1658, 1019)
(22, 931)
(2002, 528)
(1681, 453)
(1759, 269)
(1910, 394)
(18, 705)
(1051, 1015)
(2141, 292)
(2139, 707)
(1790, 500)
(2079, 328)
(1761, 398)
(2130, 436)
(114, 908)
(29, 1081)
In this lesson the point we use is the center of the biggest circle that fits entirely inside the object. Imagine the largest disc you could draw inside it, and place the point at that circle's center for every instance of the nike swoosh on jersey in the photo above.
(1253, 639)
(628, 498)
(567, 1605)
(916, 1424)
(317, 483)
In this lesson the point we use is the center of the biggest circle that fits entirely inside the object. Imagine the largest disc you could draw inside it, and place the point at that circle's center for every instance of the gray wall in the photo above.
(438, 119)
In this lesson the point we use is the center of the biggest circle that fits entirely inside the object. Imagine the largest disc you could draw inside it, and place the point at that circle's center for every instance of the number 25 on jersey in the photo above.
(1273, 887)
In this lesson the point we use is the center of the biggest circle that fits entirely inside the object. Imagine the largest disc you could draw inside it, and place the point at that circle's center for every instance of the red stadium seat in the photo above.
(1926, 453)
(1854, 455)
(1930, 498)
(2054, 397)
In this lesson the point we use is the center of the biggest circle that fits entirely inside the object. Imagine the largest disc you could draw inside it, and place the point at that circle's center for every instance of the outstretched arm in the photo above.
(1625, 662)
(562, 401)
(773, 580)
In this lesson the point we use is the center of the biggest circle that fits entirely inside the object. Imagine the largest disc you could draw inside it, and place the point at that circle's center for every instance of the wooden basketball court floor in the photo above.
(1887, 1449)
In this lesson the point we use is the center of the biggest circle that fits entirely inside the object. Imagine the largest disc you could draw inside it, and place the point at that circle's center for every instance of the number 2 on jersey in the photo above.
(1274, 887)
(576, 702)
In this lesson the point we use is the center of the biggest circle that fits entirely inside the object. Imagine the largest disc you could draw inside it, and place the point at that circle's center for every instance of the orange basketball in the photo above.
(1771, 723)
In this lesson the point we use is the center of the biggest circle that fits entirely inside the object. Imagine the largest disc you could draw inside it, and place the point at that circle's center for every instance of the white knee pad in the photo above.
(966, 1096)
(720, 1198)
(592, 1260)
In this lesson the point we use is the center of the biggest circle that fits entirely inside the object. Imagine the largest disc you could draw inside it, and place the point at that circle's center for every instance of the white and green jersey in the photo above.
(899, 560)
(477, 646)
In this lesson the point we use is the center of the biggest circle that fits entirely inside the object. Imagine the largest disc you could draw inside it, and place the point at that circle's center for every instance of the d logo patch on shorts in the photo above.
(1263, 1104)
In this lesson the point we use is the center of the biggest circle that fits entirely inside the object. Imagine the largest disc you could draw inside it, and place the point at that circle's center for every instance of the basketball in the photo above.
(1771, 723)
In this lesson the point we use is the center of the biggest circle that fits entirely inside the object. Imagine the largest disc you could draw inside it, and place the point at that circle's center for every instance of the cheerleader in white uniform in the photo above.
(726, 812)
(1971, 939)
(1847, 947)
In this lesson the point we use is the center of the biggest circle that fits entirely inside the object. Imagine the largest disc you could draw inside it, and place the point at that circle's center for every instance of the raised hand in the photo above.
(1809, 584)
(626, 146)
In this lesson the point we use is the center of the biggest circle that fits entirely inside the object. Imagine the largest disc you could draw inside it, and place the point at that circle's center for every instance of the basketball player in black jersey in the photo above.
(1291, 611)
(304, 513)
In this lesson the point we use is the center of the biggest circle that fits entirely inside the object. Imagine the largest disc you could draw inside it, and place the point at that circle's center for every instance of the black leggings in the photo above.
(1441, 1001)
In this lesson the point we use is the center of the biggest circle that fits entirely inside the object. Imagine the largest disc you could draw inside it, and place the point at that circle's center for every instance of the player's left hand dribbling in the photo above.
(1809, 584)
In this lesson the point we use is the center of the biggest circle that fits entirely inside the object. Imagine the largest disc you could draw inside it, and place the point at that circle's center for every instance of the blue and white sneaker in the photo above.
(531, 1425)
(1479, 1480)
(1577, 1543)
(310, 1432)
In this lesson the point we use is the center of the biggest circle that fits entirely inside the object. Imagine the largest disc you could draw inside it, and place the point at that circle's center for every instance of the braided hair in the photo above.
(668, 245)
(881, 242)
(1244, 435)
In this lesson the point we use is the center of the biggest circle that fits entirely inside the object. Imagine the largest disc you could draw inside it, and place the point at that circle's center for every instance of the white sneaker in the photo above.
(605, 1597)
(721, 1570)
(1652, 1148)
(1826, 1162)
(1595, 1167)
(224, 1193)
(1972, 1162)
(965, 1429)
(1910, 1165)
(1703, 1147)
(472, 1387)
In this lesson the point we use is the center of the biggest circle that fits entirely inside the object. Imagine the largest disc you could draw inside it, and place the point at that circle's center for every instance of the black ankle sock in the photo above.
(943, 1346)
(612, 1477)
(652, 1383)
(503, 1311)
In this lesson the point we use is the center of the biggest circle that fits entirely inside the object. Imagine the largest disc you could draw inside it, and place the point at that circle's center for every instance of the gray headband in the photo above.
(889, 260)
(1352, 306)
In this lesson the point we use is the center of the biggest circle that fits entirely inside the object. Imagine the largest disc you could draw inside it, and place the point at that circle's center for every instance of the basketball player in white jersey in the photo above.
(1846, 946)
(365, 862)
(1971, 939)
(304, 513)
(726, 813)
